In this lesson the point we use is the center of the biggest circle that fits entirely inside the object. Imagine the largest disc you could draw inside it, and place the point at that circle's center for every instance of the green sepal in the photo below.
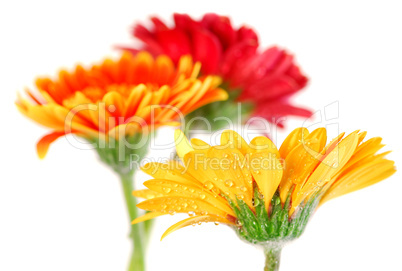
(214, 112)
(120, 155)
(273, 226)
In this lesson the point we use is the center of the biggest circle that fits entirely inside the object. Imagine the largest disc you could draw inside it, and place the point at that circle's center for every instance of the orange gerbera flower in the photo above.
(120, 102)
(267, 195)
(133, 94)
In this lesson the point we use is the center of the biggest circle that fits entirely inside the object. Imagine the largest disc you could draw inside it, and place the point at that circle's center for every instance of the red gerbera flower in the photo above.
(266, 79)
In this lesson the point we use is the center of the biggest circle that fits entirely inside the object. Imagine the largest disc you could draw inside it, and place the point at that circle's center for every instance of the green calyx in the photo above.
(273, 227)
(125, 154)
(219, 114)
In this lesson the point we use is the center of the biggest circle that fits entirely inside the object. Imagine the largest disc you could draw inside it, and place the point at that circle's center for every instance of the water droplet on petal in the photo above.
(208, 185)
(228, 183)
(191, 213)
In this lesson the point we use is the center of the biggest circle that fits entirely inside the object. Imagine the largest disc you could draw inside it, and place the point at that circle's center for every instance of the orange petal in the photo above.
(44, 143)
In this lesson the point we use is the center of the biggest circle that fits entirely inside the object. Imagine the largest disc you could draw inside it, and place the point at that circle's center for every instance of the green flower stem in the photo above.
(137, 262)
(272, 258)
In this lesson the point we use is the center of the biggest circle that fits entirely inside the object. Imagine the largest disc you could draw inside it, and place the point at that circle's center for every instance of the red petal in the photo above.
(149, 38)
(221, 27)
(185, 22)
(158, 24)
(235, 61)
(247, 34)
(174, 43)
(208, 50)
(273, 111)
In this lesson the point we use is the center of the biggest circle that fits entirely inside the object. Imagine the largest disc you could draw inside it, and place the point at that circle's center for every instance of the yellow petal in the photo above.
(172, 170)
(359, 178)
(175, 189)
(198, 144)
(231, 139)
(195, 220)
(146, 217)
(263, 144)
(336, 157)
(232, 174)
(182, 144)
(292, 140)
(300, 162)
(146, 194)
(368, 148)
(267, 172)
(180, 205)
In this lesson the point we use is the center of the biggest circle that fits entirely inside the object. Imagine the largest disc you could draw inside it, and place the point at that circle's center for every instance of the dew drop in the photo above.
(228, 183)
(191, 213)
(171, 212)
(208, 185)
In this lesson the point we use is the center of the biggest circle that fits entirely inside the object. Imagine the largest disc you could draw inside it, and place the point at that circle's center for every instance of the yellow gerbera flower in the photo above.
(133, 94)
(267, 195)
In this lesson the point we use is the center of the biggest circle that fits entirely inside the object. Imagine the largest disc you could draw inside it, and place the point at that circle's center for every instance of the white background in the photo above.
(67, 212)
